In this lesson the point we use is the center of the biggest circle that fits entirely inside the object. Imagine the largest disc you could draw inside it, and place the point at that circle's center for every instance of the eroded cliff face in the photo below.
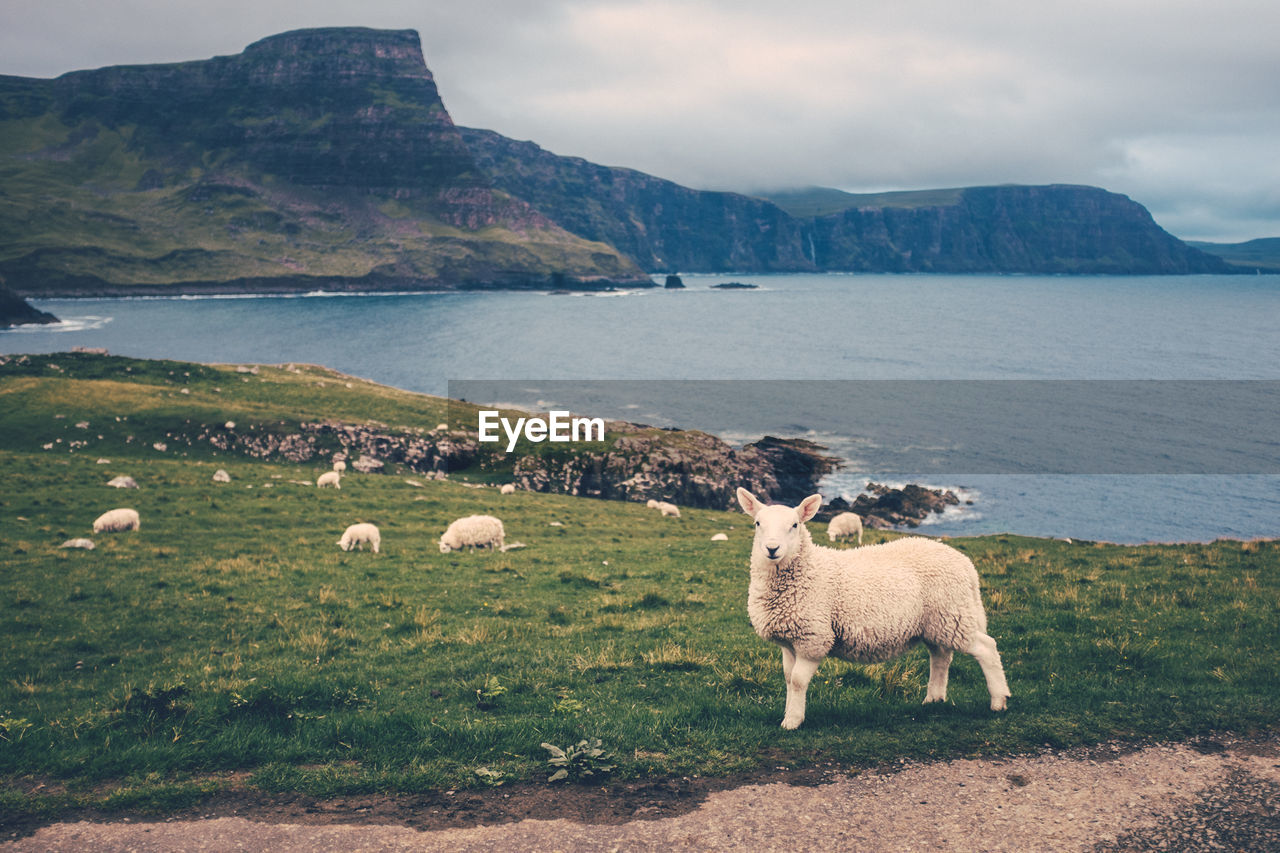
(314, 159)
(666, 227)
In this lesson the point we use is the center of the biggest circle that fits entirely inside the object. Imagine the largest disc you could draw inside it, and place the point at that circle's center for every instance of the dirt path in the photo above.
(1221, 794)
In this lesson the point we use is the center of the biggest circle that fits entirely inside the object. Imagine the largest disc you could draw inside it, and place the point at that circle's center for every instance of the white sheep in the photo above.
(123, 482)
(507, 489)
(116, 520)
(357, 534)
(221, 476)
(845, 525)
(669, 509)
(474, 531)
(865, 605)
(330, 478)
(651, 503)
(720, 537)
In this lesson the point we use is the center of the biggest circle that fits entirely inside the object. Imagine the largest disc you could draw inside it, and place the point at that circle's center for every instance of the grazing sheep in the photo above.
(330, 478)
(221, 476)
(866, 604)
(86, 544)
(116, 520)
(669, 509)
(844, 525)
(720, 537)
(123, 482)
(357, 534)
(507, 489)
(651, 503)
(474, 531)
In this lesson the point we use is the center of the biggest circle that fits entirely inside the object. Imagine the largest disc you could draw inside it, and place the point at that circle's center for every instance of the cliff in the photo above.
(315, 158)
(668, 227)
(14, 311)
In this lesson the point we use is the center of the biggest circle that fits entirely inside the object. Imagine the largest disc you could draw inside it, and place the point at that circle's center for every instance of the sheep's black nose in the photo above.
(773, 550)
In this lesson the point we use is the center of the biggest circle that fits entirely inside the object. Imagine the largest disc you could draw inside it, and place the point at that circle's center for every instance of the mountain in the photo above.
(670, 228)
(325, 159)
(1262, 255)
(315, 158)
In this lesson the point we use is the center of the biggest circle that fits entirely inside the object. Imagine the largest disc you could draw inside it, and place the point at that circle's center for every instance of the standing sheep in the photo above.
(474, 531)
(330, 478)
(357, 534)
(507, 489)
(864, 605)
(117, 520)
(844, 525)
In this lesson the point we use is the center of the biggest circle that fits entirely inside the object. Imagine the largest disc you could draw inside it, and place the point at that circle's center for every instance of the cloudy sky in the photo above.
(1175, 103)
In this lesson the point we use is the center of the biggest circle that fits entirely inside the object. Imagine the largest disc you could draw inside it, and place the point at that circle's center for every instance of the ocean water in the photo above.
(900, 328)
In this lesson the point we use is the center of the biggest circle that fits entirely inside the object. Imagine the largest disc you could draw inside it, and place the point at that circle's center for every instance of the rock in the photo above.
(735, 285)
(221, 476)
(15, 311)
(885, 507)
(123, 482)
(86, 544)
(368, 465)
(720, 537)
(674, 282)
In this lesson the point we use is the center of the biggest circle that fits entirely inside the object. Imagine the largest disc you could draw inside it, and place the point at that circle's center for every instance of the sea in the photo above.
(1110, 408)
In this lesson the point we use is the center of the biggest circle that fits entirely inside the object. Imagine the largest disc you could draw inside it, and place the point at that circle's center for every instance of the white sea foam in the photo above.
(66, 324)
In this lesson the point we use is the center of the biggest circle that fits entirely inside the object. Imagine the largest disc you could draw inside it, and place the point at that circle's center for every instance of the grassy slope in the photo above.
(823, 201)
(1262, 254)
(79, 198)
(230, 634)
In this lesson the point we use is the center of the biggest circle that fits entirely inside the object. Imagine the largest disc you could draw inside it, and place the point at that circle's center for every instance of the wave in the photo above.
(66, 324)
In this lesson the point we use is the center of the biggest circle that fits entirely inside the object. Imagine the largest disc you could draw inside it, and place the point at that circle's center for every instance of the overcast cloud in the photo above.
(1172, 102)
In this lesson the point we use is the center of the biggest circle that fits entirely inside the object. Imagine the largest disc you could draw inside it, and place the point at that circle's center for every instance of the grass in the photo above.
(230, 642)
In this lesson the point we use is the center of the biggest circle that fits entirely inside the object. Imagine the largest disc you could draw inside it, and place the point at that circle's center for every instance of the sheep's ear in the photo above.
(809, 507)
(750, 503)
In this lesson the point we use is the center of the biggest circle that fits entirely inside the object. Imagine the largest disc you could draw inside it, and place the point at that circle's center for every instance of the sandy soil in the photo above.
(1211, 794)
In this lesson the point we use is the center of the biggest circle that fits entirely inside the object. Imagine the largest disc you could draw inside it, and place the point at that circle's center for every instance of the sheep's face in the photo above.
(444, 547)
(779, 529)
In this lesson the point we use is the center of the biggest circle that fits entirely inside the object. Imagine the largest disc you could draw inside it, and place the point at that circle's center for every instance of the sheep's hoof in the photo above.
(929, 699)
(792, 722)
(999, 703)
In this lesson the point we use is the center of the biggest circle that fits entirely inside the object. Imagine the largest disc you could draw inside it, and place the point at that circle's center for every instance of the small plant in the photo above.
(492, 778)
(487, 696)
(585, 760)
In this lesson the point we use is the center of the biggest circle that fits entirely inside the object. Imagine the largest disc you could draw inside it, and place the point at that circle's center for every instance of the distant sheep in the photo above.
(123, 482)
(720, 537)
(843, 526)
(669, 509)
(651, 503)
(508, 489)
(357, 535)
(117, 520)
(330, 478)
(221, 476)
(474, 531)
(863, 604)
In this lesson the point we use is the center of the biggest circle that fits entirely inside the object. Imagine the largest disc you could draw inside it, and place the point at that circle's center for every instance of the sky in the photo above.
(1174, 103)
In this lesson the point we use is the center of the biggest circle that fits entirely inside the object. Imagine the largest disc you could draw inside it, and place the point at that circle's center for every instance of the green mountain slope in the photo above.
(317, 158)
(1262, 254)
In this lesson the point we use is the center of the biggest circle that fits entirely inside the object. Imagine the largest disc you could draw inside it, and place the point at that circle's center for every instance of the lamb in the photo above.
(474, 531)
(357, 534)
(865, 605)
(846, 524)
(507, 489)
(117, 520)
(221, 476)
(330, 478)
(669, 509)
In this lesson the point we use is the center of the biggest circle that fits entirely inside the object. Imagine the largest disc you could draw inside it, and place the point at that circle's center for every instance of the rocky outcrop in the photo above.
(887, 508)
(687, 468)
(15, 311)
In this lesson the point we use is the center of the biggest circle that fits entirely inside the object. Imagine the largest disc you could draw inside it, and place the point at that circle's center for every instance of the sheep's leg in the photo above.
(788, 661)
(939, 666)
(984, 649)
(797, 686)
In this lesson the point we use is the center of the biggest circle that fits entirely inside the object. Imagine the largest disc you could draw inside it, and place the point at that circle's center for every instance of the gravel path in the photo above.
(1204, 796)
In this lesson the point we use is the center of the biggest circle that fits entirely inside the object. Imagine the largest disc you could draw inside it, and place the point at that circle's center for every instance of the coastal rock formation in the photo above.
(15, 311)
(886, 508)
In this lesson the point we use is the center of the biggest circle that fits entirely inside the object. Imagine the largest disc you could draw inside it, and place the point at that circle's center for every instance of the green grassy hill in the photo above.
(229, 644)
